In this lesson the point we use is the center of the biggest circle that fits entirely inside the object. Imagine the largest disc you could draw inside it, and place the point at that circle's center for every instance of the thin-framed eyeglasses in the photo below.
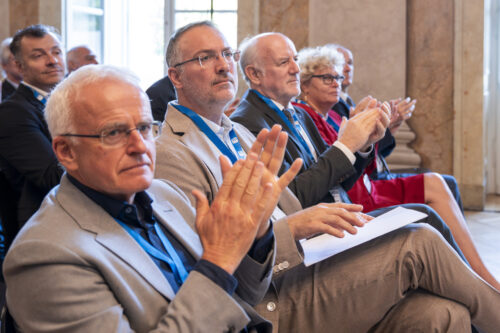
(118, 135)
(328, 78)
(208, 58)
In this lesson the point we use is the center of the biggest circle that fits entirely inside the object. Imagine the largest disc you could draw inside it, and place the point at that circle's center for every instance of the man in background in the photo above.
(12, 73)
(80, 56)
(26, 156)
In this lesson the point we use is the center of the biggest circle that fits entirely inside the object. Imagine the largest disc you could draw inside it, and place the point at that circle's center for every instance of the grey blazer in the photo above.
(187, 158)
(73, 268)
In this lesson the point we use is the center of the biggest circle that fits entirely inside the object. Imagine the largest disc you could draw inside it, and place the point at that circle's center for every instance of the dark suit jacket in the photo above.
(313, 183)
(7, 89)
(160, 93)
(26, 156)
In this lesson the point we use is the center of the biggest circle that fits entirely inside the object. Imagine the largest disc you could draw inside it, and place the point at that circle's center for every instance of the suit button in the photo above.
(283, 265)
(271, 306)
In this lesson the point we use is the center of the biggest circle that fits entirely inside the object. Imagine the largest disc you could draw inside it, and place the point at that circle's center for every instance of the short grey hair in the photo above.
(59, 112)
(173, 55)
(313, 58)
(249, 52)
(5, 50)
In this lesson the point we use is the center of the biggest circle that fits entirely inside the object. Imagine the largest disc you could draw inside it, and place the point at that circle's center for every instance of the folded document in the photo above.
(323, 246)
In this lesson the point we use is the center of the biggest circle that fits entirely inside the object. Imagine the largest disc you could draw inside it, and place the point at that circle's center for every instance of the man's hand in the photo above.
(271, 145)
(356, 132)
(330, 218)
(248, 196)
(228, 227)
(381, 124)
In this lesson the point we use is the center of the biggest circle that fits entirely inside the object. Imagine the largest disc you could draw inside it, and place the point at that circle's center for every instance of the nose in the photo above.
(222, 65)
(52, 59)
(136, 143)
(294, 67)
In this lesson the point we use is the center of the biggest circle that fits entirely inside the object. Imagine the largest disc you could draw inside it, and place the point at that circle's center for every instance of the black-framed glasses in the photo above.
(328, 78)
(208, 58)
(118, 136)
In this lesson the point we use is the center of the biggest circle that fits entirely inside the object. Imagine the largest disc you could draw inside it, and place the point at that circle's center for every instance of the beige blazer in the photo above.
(73, 268)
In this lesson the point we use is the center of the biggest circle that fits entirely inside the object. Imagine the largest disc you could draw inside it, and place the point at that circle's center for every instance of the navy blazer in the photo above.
(160, 93)
(26, 156)
(315, 180)
(7, 89)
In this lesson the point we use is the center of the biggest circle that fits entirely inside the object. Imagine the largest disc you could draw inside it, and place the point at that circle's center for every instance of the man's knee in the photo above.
(424, 312)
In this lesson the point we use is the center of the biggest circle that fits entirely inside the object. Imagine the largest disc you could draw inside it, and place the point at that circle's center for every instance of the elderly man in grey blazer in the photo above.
(374, 287)
(112, 250)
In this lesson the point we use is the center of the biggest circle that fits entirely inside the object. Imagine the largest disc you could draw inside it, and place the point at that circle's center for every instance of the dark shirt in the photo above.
(139, 216)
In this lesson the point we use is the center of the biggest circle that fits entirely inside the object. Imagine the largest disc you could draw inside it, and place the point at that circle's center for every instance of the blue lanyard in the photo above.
(39, 96)
(174, 261)
(330, 121)
(296, 129)
(223, 148)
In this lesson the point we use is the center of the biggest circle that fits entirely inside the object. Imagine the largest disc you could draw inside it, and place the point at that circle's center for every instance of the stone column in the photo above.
(403, 156)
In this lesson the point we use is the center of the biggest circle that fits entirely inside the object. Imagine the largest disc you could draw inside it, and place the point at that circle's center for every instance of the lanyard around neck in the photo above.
(223, 148)
(174, 261)
(296, 128)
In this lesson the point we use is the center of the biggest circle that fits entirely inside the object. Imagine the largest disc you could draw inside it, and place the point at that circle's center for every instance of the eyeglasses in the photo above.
(208, 58)
(118, 136)
(328, 78)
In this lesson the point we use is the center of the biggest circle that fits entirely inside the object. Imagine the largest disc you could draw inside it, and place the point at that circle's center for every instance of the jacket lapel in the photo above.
(172, 220)
(275, 119)
(91, 217)
(189, 134)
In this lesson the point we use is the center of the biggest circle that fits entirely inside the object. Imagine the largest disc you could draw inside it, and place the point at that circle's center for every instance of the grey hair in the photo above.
(59, 111)
(5, 50)
(250, 53)
(173, 55)
(313, 58)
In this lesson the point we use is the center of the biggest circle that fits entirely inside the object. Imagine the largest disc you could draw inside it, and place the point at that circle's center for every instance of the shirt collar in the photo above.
(281, 107)
(343, 95)
(226, 123)
(15, 85)
(116, 208)
(40, 91)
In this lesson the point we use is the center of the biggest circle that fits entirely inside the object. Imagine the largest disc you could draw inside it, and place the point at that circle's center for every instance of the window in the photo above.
(134, 33)
(223, 13)
(84, 25)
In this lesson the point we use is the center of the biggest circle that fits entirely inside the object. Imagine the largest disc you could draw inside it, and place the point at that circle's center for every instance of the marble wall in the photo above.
(430, 80)
(375, 31)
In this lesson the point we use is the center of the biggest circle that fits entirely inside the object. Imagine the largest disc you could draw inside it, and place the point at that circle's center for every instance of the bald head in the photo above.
(348, 70)
(80, 56)
(269, 64)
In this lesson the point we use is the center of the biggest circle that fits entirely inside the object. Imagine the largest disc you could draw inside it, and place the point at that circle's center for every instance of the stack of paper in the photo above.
(323, 246)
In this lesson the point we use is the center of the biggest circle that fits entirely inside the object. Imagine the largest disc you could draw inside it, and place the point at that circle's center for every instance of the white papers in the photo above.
(323, 246)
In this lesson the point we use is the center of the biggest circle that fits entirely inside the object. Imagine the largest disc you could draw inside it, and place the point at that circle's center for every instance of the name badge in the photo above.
(368, 183)
(336, 194)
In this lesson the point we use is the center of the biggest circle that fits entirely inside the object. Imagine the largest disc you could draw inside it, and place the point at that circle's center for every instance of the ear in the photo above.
(65, 153)
(253, 74)
(305, 86)
(19, 66)
(174, 75)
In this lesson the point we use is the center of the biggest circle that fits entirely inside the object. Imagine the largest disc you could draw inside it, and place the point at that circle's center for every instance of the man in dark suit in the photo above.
(12, 74)
(160, 93)
(326, 171)
(26, 157)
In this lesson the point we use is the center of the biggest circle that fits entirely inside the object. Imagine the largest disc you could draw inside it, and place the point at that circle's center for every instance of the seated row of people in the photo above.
(111, 249)
(320, 86)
